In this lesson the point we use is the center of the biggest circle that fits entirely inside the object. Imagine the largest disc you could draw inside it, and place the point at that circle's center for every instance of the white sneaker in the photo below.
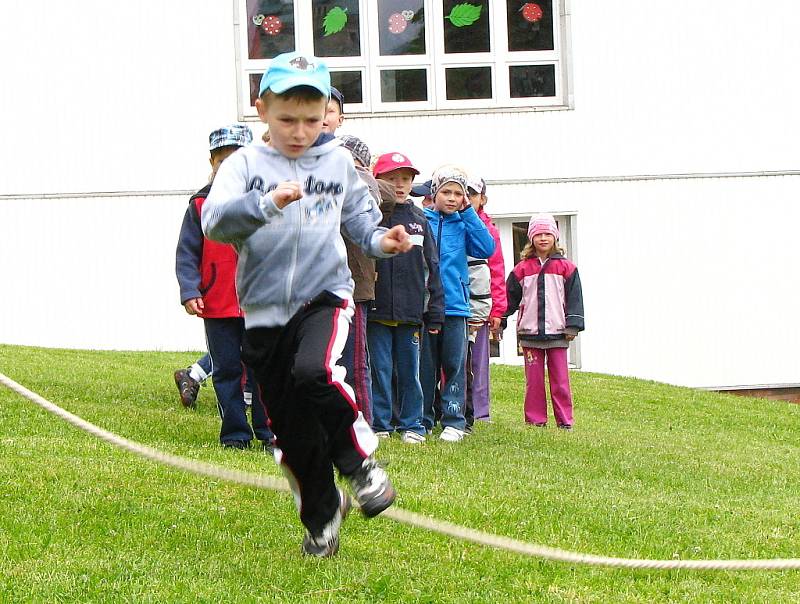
(412, 438)
(326, 543)
(382, 434)
(451, 435)
(372, 487)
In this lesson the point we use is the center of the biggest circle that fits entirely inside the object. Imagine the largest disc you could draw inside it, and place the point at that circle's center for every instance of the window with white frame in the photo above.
(414, 55)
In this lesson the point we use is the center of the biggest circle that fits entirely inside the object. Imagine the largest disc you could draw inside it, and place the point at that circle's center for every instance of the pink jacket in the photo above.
(497, 270)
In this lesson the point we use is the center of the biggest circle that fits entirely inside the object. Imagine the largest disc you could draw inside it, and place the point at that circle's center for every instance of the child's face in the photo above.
(477, 200)
(218, 156)
(294, 124)
(333, 117)
(402, 180)
(449, 198)
(544, 243)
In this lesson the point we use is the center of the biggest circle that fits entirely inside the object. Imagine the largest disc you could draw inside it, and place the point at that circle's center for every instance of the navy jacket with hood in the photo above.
(400, 291)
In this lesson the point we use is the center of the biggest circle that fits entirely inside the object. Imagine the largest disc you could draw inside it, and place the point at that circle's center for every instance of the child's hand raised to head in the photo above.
(396, 240)
(285, 193)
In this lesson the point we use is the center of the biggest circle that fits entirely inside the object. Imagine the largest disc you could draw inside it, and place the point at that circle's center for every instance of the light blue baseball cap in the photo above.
(293, 69)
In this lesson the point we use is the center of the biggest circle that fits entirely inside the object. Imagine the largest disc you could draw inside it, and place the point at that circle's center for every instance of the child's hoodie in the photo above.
(287, 257)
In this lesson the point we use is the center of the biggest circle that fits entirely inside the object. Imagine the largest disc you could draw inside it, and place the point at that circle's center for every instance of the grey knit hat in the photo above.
(357, 148)
(447, 174)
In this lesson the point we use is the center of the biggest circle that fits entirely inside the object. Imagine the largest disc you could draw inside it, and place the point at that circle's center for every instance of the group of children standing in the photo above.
(356, 313)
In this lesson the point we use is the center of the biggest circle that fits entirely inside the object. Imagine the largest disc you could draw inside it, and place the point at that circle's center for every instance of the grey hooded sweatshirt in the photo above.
(287, 257)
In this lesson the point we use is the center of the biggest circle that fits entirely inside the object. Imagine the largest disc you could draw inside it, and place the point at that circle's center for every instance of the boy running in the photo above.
(283, 206)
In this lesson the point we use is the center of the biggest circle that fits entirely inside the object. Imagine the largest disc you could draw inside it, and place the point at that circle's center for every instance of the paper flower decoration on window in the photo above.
(532, 12)
(272, 25)
(397, 23)
(335, 20)
(464, 14)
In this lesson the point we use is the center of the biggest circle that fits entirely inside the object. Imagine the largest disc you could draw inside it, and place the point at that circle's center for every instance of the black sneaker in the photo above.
(566, 427)
(236, 444)
(371, 486)
(188, 387)
(326, 543)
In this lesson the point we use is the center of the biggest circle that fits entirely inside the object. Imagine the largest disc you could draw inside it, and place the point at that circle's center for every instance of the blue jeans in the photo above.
(355, 358)
(205, 364)
(444, 359)
(390, 348)
(224, 338)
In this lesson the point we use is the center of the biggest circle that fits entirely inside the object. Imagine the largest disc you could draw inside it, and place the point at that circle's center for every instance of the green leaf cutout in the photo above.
(335, 20)
(464, 14)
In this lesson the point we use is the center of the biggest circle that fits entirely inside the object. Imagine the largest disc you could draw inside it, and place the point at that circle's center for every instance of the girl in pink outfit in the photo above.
(546, 288)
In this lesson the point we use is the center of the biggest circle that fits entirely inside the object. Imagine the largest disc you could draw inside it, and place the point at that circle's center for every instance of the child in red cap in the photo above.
(408, 299)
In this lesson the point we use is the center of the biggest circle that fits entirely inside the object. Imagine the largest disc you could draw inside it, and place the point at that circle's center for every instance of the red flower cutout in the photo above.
(272, 25)
(532, 12)
(397, 23)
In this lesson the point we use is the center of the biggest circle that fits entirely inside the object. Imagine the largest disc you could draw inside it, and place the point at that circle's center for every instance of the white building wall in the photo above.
(94, 273)
(114, 98)
(687, 281)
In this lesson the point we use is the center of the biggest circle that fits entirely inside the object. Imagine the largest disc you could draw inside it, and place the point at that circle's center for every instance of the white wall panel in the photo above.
(685, 281)
(691, 282)
(113, 96)
(94, 273)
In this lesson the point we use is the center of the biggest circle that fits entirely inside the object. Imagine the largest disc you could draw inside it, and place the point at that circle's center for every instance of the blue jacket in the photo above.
(458, 235)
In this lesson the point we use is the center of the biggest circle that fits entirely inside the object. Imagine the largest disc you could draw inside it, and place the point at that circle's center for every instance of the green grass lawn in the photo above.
(651, 471)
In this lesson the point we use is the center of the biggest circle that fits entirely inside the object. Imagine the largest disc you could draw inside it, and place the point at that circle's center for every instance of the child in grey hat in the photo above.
(460, 232)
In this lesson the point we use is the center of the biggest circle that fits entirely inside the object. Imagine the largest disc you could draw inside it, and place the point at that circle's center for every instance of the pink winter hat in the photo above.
(543, 223)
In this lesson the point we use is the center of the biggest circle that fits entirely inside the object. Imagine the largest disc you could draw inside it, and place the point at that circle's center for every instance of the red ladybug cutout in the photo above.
(397, 23)
(532, 12)
(272, 25)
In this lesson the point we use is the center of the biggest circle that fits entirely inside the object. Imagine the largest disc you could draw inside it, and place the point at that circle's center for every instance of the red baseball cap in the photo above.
(392, 161)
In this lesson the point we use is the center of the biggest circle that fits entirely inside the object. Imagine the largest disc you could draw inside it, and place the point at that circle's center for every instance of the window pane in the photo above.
(401, 27)
(530, 25)
(349, 84)
(401, 85)
(468, 82)
(270, 28)
(532, 80)
(466, 26)
(336, 28)
(255, 84)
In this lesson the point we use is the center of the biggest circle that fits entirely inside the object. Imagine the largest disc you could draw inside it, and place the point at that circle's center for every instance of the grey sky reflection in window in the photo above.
(468, 83)
(270, 28)
(466, 26)
(336, 26)
(530, 25)
(532, 80)
(349, 84)
(404, 85)
(401, 27)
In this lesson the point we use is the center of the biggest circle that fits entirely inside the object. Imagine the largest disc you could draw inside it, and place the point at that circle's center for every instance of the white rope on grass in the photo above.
(397, 514)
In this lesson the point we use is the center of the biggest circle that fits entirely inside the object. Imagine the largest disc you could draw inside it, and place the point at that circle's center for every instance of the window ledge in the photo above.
(441, 112)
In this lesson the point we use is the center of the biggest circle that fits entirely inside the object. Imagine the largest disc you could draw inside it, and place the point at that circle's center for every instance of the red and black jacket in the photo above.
(206, 269)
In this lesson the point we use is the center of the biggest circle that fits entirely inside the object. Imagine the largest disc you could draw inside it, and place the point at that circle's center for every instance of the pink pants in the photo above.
(535, 396)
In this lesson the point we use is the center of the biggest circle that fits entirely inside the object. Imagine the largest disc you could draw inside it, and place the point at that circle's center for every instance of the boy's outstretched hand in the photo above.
(285, 193)
(396, 240)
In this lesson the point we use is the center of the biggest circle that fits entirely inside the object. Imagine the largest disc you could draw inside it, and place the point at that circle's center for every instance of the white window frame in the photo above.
(435, 62)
